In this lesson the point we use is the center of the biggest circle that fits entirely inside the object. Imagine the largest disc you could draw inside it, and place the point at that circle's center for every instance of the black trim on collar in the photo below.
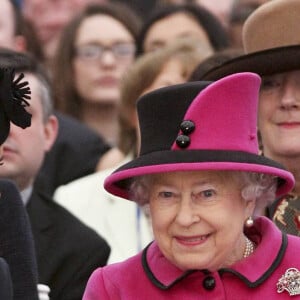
(268, 273)
(250, 284)
(153, 279)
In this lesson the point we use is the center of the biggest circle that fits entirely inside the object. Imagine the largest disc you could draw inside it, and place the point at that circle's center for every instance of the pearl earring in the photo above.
(249, 222)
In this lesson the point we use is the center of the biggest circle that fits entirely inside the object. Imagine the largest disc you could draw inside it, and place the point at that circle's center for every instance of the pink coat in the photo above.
(149, 275)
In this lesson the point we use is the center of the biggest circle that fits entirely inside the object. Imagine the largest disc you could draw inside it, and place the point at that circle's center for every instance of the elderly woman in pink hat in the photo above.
(205, 183)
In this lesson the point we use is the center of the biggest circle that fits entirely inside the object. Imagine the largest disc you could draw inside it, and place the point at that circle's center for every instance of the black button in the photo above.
(183, 141)
(187, 127)
(209, 283)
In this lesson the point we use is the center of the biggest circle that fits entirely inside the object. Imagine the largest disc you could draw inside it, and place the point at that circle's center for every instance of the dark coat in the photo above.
(6, 290)
(67, 250)
(74, 154)
(16, 243)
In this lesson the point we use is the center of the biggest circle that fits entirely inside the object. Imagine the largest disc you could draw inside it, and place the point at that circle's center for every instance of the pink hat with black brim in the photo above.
(199, 126)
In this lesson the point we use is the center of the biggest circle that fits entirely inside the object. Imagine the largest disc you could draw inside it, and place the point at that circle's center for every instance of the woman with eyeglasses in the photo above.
(95, 50)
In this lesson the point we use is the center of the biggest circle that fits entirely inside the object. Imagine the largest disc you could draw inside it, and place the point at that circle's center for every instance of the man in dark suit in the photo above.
(67, 251)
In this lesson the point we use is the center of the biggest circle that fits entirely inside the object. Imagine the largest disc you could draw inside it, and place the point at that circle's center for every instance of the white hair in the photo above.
(254, 186)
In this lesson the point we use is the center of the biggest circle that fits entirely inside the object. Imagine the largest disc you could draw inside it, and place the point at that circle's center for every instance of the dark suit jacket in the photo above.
(76, 145)
(16, 242)
(6, 290)
(67, 250)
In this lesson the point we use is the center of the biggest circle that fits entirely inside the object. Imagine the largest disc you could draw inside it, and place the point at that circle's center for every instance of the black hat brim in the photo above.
(266, 62)
(119, 181)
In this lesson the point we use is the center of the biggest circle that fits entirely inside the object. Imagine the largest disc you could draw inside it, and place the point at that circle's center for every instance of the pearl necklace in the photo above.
(249, 248)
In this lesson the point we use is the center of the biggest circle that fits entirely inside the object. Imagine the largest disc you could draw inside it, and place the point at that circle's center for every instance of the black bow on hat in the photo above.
(14, 96)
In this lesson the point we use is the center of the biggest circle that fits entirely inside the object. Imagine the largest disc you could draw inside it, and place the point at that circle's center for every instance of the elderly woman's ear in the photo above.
(250, 208)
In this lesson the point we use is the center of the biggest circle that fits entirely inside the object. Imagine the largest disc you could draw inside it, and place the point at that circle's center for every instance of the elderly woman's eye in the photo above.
(208, 193)
(165, 194)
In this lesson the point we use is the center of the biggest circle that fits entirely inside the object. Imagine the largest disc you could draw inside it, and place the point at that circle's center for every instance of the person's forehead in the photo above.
(91, 27)
(198, 176)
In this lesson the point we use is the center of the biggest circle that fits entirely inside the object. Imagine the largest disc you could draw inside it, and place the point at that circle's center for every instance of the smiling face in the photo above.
(198, 218)
(279, 115)
(97, 77)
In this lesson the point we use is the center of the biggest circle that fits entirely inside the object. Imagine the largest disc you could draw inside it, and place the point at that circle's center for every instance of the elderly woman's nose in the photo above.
(187, 214)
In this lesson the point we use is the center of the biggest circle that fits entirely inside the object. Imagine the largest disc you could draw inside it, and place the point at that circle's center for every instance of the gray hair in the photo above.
(45, 95)
(254, 186)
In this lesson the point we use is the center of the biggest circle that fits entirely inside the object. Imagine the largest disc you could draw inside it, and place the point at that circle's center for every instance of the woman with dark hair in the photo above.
(95, 50)
(170, 21)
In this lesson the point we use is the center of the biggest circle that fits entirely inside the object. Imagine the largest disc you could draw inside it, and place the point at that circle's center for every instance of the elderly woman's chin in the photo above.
(194, 261)
(202, 257)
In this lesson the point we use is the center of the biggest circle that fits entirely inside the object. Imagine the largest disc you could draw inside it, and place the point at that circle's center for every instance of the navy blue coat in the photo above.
(16, 243)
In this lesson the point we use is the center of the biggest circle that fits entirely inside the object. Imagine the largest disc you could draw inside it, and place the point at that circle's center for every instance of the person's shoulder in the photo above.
(110, 159)
(76, 187)
(10, 196)
(82, 191)
(74, 231)
(108, 280)
(6, 288)
(70, 128)
(293, 242)
(120, 269)
(7, 185)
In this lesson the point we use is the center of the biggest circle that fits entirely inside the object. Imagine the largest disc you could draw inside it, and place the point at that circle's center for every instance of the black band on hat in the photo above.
(264, 63)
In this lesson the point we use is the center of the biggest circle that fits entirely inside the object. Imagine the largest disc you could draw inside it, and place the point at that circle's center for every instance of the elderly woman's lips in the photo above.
(191, 240)
(289, 124)
(7, 151)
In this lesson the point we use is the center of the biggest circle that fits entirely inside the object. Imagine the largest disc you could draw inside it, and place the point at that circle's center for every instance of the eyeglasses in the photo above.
(91, 52)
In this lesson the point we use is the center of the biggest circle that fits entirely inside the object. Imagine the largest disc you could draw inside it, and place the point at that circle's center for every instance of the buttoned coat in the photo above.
(149, 275)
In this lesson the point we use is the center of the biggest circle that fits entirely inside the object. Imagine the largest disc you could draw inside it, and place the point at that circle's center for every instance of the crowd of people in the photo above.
(149, 149)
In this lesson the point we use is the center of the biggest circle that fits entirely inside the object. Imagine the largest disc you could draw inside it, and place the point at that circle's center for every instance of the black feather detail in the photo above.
(14, 96)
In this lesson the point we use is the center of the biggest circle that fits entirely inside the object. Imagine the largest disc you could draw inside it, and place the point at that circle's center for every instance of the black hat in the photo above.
(14, 96)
